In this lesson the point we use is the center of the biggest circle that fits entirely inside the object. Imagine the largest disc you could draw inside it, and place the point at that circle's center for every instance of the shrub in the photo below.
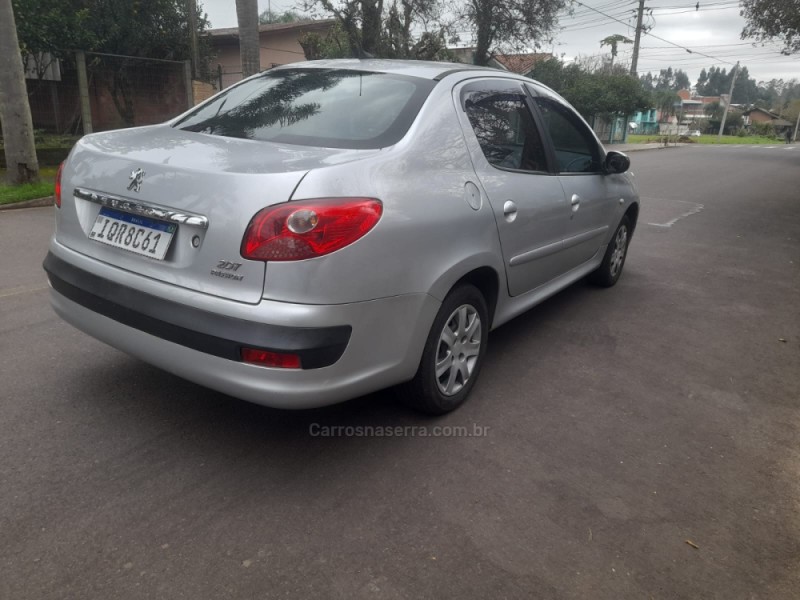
(765, 129)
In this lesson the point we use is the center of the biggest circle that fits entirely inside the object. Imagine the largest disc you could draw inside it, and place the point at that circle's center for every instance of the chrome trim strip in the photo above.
(547, 250)
(140, 208)
(582, 237)
(541, 252)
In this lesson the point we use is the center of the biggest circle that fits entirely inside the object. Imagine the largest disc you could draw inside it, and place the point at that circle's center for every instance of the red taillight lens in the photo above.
(309, 228)
(265, 358)
(57, 191)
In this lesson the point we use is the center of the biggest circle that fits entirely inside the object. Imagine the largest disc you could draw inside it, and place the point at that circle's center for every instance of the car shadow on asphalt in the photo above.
(130, 394)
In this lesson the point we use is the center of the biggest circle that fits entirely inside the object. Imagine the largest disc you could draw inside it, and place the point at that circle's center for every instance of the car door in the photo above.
(592, 195)
(513, 166)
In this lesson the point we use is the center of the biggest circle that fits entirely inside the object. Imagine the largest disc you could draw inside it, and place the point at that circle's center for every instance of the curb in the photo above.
(648, 147)
(35, 203)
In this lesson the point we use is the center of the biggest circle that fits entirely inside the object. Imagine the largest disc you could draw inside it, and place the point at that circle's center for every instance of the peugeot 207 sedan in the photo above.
(327, 229)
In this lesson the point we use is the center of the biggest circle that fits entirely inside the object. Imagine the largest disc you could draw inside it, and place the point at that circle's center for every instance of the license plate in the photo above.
(134, 233)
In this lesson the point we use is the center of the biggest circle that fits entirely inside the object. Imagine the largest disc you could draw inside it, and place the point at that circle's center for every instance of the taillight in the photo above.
(57, 191)
(309, 228)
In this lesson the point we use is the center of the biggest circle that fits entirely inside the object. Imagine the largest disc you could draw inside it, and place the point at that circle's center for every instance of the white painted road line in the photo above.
(17, 291)
(693, 211)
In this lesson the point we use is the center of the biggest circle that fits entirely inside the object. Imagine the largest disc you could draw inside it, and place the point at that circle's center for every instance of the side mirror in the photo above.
(617, 162)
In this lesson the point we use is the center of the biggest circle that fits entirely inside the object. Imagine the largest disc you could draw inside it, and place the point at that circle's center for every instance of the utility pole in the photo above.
(637, 39)
(795, 127)
(195, 56)
(730, 100)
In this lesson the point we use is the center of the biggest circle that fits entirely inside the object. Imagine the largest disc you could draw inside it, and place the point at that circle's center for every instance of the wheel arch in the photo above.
(483, 273)
(632, 213)
(488, 284)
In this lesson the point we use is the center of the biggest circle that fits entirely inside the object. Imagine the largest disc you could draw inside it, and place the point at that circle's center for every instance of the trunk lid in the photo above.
(208, 187)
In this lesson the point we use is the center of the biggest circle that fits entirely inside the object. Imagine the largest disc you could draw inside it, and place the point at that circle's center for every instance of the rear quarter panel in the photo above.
(428, 236)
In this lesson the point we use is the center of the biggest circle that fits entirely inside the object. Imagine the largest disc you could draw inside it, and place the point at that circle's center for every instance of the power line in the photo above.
(652, 35)
(702, 4)
(582, 12)
(691, 10)
(706, 46)
(594, 19)
(598, 24)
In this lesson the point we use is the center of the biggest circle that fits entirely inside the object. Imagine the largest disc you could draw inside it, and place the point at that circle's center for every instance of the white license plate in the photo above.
(134, 233)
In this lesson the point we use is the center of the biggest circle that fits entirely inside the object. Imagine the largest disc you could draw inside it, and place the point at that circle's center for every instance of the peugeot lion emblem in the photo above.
(136, 178)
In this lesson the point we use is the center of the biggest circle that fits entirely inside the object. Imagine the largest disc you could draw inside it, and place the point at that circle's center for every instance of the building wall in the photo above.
(202, 91)
(759, 117)
(277, 48)
(646, 121)
(156, 92)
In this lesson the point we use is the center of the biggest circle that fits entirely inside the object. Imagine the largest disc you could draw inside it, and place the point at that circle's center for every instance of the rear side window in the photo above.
(505, 129)
(331, 108)
(575, 147)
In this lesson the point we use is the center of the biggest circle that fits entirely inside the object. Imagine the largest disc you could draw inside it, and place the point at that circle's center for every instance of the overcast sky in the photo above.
(713, 30)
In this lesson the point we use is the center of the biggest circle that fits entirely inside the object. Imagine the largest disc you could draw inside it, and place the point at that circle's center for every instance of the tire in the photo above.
(456, 346)
(607, 274)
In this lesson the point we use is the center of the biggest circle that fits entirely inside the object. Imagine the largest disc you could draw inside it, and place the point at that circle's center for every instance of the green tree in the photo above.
(361, 22)
(593, 93)
(512, 23)
(714, 111)
(666, 80)
(717, 81)
(613, 41)
(51, 30)
(681, 81)
(596, 94)
(554, 73)
(791, 111)
(145, 28)
(333, 44)
(777, 95)
(745, 90)
(702, 79)
(269, 17)
(667, 102)
(372, 28)
(773, 20)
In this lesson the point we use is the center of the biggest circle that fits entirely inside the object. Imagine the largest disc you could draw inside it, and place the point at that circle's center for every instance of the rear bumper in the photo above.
(346, 350)
(201, 330)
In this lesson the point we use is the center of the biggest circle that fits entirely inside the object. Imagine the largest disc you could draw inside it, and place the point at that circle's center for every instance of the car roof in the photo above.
(413, 68)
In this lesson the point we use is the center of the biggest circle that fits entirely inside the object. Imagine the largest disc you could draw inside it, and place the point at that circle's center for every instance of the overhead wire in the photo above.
(652, 35)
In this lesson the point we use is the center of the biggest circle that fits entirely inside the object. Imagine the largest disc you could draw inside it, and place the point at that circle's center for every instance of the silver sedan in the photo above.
(326, 229)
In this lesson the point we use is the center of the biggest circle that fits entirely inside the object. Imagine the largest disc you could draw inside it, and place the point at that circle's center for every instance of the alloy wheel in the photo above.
(458, 349)
(620, 247)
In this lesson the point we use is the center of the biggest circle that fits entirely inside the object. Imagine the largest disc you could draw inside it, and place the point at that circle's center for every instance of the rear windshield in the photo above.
(332, 108)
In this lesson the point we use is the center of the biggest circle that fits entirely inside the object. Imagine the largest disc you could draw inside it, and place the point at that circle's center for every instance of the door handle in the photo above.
(575, 202)
(510, 211)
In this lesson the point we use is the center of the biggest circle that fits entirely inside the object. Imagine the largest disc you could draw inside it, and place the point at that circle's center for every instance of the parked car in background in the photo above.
(327, 229)
(695, 133)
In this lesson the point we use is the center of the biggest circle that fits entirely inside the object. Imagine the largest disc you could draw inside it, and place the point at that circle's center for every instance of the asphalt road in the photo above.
(618, 426)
